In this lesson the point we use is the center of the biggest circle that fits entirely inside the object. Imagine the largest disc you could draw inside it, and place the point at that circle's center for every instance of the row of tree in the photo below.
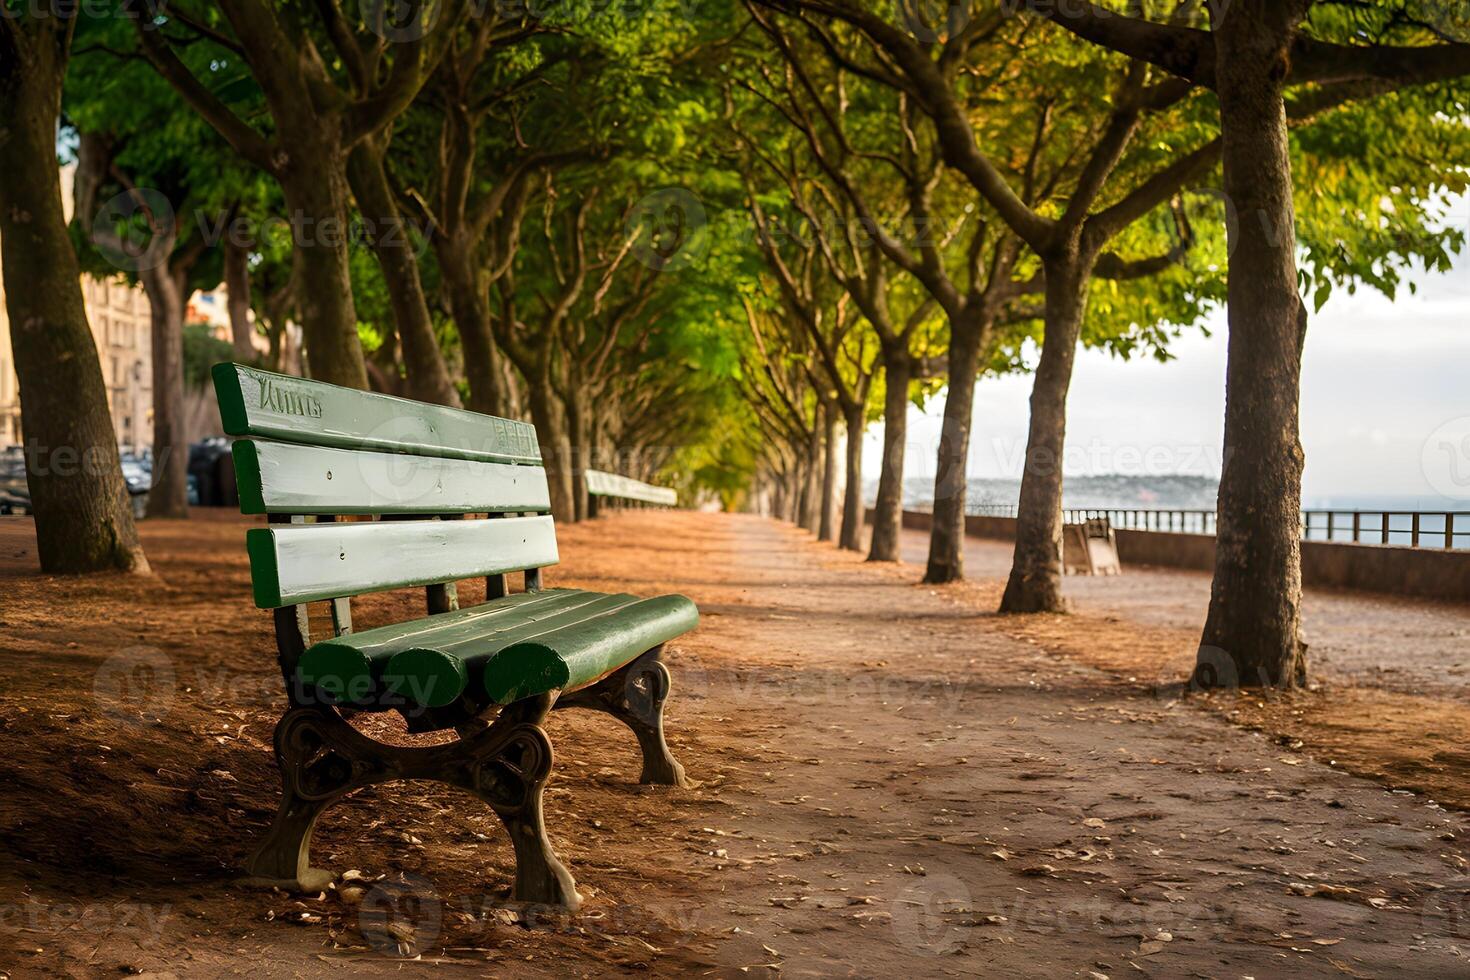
(526, 210)
(1081, 173)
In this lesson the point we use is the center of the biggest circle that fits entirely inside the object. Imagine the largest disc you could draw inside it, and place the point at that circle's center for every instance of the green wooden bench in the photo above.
(365, 493)
(612, 488)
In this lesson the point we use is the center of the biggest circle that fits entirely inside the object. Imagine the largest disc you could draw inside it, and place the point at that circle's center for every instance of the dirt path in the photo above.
(1413, 646)
(892, 786)
(1387, 700)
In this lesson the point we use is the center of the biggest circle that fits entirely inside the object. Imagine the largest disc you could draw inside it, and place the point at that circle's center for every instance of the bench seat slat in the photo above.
(353, 667)
(286, 478)
(382, 642)
(305, 562)
(421, 671)
(511, 648)
(574, 657)
(253, 402)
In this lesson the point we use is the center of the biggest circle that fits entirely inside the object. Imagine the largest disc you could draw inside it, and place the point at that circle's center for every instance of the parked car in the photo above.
(15, 492)
(137, 473)
(212, 472)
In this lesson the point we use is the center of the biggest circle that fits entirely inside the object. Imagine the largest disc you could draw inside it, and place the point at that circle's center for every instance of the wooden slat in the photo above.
(580, 652)
(285, 478)
(258, 403)
(303, 563)
(430, 660)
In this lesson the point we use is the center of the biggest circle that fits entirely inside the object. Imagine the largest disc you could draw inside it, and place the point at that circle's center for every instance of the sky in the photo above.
(1385, 404)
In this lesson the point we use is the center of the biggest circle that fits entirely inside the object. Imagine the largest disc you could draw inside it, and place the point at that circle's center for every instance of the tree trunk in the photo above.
(827, 509)
(1035, 583)
(888, 509)
(316, 195)
(777, 500)
(551, 432)
(393, 245)
(1252, 633)
(237, 289)
(850, 538)
(275, 355)
(169, 495)
(84, 522)
(781, 506)
(951, 482)
(467, 306)
(796, 497)
(276, 310)
(811, 484)
(579, 426)
(512, 402)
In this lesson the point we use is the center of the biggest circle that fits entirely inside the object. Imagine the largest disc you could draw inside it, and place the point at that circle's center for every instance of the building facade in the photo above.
(119, 316)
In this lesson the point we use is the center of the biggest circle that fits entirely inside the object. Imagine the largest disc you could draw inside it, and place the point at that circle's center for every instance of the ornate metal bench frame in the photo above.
(505, 761)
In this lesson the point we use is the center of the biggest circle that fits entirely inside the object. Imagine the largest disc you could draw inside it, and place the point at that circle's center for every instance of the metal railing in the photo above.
(1411, 528)
(1179, 521)
(1415, 528)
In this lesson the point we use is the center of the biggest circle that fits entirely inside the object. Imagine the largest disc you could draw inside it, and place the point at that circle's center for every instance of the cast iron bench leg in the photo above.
(323, 758)
(312, 779)
(512, 782)
(635, 694)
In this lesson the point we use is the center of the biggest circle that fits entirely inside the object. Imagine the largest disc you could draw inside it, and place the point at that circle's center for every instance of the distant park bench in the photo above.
(609, 489)
(365, 493)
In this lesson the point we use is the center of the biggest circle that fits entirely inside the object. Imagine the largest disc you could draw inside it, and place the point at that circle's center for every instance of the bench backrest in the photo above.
(318, 450)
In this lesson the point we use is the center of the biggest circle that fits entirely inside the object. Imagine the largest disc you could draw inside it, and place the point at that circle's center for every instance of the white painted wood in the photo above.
(305, 562)
(601, 484)
(284, 478)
